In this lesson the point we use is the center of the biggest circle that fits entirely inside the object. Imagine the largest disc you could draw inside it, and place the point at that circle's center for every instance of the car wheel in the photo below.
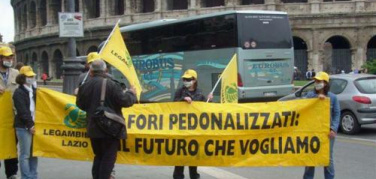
(349, 124)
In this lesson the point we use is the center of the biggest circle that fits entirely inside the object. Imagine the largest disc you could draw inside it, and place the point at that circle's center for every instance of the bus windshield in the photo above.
(264, 31)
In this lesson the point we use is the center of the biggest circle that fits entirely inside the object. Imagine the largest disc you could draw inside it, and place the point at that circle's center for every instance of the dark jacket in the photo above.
(88, 99)
(183, 92)
(21, 101)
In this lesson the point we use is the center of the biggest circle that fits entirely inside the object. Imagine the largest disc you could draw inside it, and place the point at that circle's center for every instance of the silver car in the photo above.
(357, 96)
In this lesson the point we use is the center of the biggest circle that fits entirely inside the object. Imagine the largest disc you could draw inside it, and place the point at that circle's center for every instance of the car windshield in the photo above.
(366, 85)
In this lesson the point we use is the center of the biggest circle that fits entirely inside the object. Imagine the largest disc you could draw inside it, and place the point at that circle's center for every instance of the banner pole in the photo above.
(216, 84)
(108, 38)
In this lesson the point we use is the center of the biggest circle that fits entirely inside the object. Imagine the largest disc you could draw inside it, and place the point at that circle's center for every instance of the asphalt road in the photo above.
(354, 157)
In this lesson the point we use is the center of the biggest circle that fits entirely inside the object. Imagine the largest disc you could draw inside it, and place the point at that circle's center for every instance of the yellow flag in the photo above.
(229, 87)
(115, 52)
(8, 144)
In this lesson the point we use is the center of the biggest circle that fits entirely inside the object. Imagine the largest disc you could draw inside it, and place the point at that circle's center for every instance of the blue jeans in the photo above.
(28, 164)
(309, 172)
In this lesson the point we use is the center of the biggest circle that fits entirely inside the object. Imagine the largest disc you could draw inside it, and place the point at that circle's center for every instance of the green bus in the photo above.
(162, 50)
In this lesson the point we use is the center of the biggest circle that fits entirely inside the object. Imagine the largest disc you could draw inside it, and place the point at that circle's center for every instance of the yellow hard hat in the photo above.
(190, 74)
(92, 56)
(322, 76)
(27, 71)
(6, 51)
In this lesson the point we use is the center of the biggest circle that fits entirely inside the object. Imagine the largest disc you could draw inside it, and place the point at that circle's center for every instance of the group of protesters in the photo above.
(90, 96)
(21, 83)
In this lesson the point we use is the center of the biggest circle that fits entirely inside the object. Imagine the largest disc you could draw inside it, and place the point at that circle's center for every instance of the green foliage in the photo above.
(370, 66)
(300, 82)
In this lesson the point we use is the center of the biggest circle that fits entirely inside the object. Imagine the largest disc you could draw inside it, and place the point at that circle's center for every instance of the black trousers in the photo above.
(11, 167)
(105, 151)
(179, 172)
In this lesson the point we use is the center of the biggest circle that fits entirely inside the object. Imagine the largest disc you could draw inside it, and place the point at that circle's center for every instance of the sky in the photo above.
(6, 21)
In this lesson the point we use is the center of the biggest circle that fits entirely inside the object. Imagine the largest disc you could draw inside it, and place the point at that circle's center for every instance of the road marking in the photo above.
(368, 142)
(219, 173)
(355, 138)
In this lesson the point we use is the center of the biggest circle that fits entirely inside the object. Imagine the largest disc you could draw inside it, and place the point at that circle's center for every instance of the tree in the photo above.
(370, 66)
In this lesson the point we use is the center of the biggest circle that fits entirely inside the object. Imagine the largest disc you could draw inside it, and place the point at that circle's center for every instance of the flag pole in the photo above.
(108, 38)
(215, 86)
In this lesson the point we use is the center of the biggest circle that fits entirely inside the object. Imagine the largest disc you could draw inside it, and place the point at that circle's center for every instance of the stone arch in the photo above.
(77, 52)
(371, 49)
(212, 3)
(43, 12)
(92, 49)
(117, 7)
(44, 63)
(76, 6)
(92, 8)
(294, 1)
(148, 6)
(33, 14)
(19, 58)
(34, 62)
(19, 19)
(55, 7)
(57, 59)
(249, 2)
(177, 4)
(24, 18)
(337, 54)
(300, 56)
(26, 59)
(348, 38)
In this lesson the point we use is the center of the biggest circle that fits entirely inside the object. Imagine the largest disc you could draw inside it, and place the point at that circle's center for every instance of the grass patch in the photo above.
(300, 82)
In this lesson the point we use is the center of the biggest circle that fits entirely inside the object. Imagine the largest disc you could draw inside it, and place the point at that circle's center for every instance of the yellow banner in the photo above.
(116, 53)
(229, 86)
(7, 133)
(200, 134)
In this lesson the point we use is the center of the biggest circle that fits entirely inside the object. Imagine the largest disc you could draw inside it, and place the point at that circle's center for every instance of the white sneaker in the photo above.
(13, 177)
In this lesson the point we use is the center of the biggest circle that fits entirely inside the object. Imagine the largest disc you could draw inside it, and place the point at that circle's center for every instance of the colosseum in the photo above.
(348, 27)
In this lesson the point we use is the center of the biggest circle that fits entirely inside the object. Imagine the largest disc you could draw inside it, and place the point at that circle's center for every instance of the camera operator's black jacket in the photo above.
(88, 99)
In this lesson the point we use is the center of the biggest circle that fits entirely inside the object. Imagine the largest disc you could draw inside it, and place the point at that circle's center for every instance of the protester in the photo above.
(308, 75)
(313, 73)
(189, 92)
(297, 73)
(322, 91)
(24, 102)
(8, 83)
(44, 78)
(103, 145)
(84, 77)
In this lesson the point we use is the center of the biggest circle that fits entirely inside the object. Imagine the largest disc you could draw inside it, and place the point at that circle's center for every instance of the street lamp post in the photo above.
(72, 65)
